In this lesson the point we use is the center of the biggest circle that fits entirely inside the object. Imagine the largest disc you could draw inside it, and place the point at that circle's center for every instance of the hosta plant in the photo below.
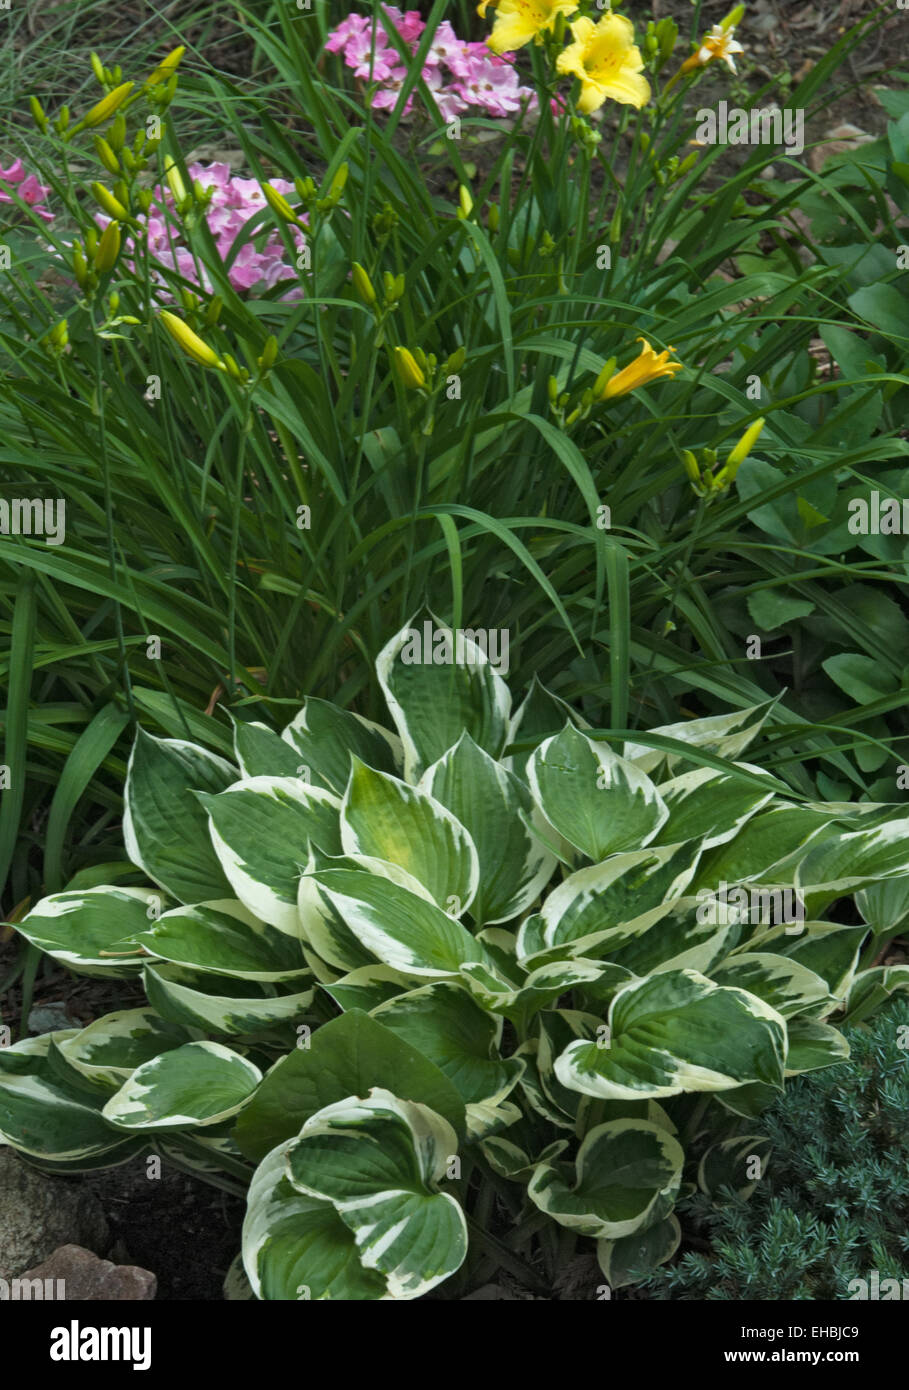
(449, 997)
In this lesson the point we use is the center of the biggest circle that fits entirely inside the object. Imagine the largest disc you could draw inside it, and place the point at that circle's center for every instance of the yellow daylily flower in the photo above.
(608, 63)
(647, 366)
(484, 6)
(519, 21)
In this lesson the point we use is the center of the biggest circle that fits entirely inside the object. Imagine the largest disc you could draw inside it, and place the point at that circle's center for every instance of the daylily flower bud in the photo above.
(38, 115)
(466, 202)
(269, 354)
(175, 181)
(552, 387)
(692, 467)
(106, 155)
(97, 67)
(108, 248)
(279, 204)
(456, 360)
(80, 266)
(363, 285)
(190, 342)
(602, 381)
(116, 134)
(239, 374)
(166, 68)
(108, 203)
(409, 372)
(213, 312)
(492, 217)
(740, 453)
(338, 183)
(107, 106)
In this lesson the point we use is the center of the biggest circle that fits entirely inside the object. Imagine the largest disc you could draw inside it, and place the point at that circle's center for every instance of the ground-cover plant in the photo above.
(423, 421)
(451, 995)
(828, 1218)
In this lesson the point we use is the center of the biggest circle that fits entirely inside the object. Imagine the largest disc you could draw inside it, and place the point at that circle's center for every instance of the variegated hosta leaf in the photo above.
(165, 830)
(781, 981)
(626, 1173)
(368, 987)
(380, 1162)
(200, 1083)
(612, 901)
(297, 1247)
(557, 1030)
(433, 704)
(510, 1161)
(386, 819)
(813, 1045)
(885, 906)
(261, 830)
(738, 1163)
(324, 736)
(44, 1116)
(726, 735)
(260, 752)
(681, 940)
(443, 1023)
(599, 802)
(221, 1003)
(225, 939)
(764, 844)
(709, 806)
(829, 950)
(496, 810)
(93, 932)
(538, 989)
(677, 1031)
(871, 988)
(540, 715)
(633, 1257)
(856, 859)
(109, 1050)
(397, 927)
(345, 1057)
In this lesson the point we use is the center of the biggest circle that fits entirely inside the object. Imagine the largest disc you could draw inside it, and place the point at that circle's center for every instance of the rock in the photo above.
(87, 1279)
(38, 1213)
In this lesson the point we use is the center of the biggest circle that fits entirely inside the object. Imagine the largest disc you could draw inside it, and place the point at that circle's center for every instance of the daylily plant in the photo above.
(414, 986)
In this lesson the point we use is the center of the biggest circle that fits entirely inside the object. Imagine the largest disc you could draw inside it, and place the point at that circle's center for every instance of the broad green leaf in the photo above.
(226, 939)
(297, 1247)
(379, 1162)
(324, 737)
(348, 1056)
(399, 928)
(261, 830)
(862, 678)
(727, 735)
(599, 802)
(773, 608)
(386, 819)
(856, 859)
(110, 1049)
(220, 1003)
(260, 752)
(489, 801)
(813, 1045)
(625, 1172)
(631, 1258)
(44, 1117)
(677, 1031)
(885, 906)
(871, 988)
(93, 932)
(198, 1084)
(165, 830)
(708, 806)
(433, 697)
(539, 715)
(830, 951)
(738, 1163)
(781, 981)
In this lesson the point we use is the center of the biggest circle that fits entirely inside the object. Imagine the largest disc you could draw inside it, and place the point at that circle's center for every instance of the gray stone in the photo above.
(78, 1274)
(39, 1213)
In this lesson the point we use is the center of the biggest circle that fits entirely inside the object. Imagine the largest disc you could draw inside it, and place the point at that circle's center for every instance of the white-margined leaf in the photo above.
(540, 715)
(813, 1045)
(386, 819)
(260, 752)
(856, 859)
(726, 735)
(488, 801)
(432, 704)
(709, 806)
(109, 1050)
(262, 830)
(764, 843)
(871, 988)
(626, 1171)
(738, 1163)
(94, 931)
(198, 1084)
(164, 827)
(599, 802)
(324, 737)
(225, 938)
(221, 1003)
(781, 981)
(380, 1162)
(631, 1258)
(677, 1031)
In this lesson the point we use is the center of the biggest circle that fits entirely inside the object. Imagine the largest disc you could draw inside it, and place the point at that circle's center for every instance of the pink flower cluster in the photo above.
(27, 188)
(459, 74)
(234, 201)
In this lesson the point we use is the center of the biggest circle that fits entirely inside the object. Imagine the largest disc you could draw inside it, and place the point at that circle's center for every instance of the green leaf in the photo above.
(346, 1057)
(856, 859)
(93, 932)
(599, 802)
(220, 1003)
(633, 1257)
(198, 1084)
(109, 1050)
(773, 608)
(862, 678)
(626, 1172)
(225, 938)
(384, 818)
(165, 830)
(883, 307)
(674, 1032)
(379, 1162)
(260, 752)
(738, 1163)
(708, 806)
(325, 737)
